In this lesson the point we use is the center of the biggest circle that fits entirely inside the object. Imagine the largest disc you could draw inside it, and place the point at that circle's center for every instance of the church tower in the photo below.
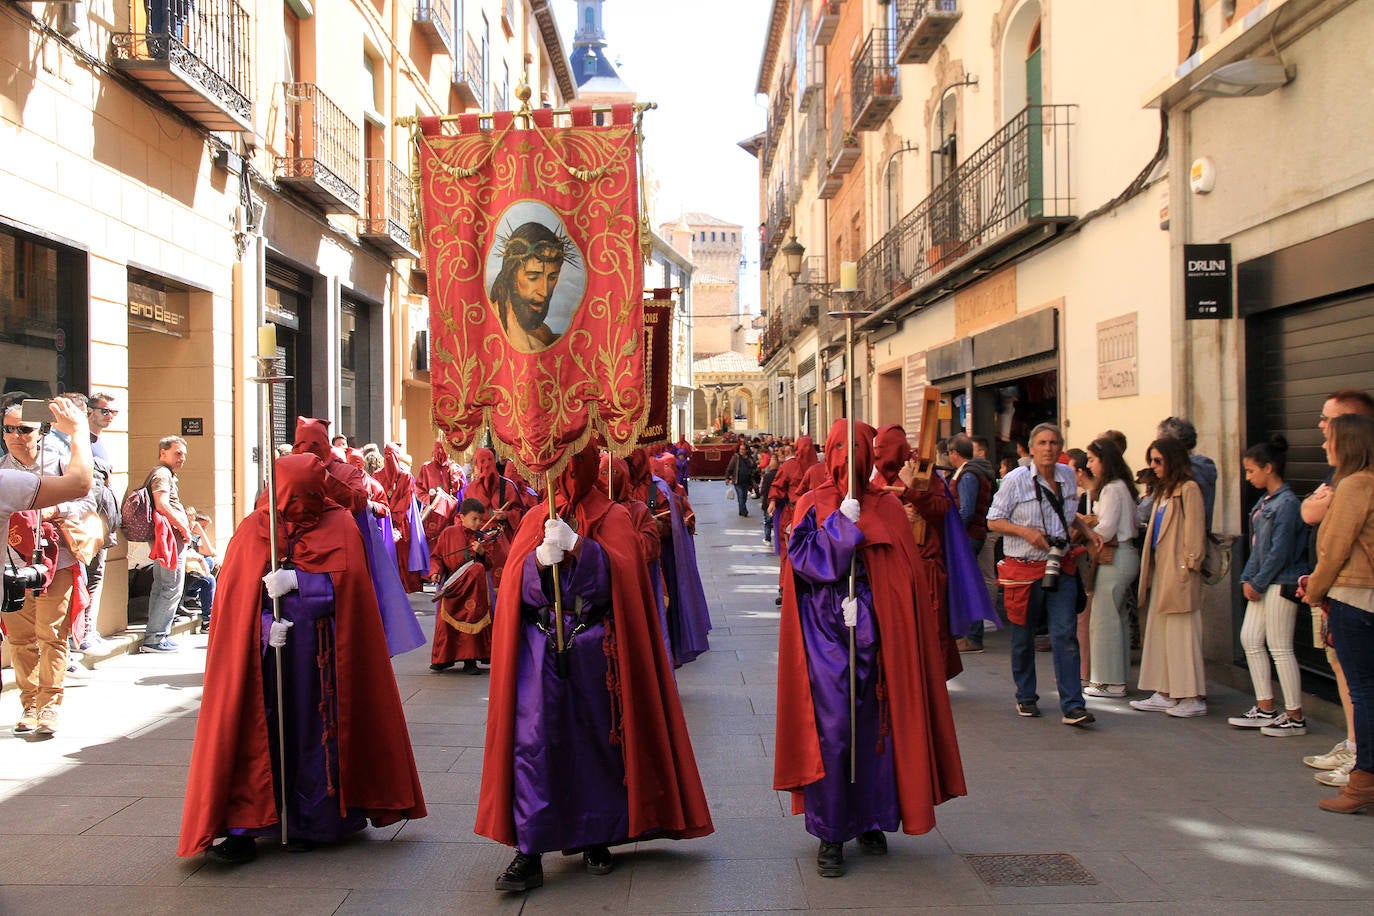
(597, 80)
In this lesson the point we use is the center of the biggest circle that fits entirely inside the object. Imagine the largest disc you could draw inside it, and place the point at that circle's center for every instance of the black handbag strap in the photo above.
(1055, 500)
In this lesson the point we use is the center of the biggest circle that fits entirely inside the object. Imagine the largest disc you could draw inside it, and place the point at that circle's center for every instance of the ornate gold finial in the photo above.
(523, 92)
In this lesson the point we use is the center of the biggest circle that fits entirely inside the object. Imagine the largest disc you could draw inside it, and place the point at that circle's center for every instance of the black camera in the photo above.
(19, 581)
(1052, 563)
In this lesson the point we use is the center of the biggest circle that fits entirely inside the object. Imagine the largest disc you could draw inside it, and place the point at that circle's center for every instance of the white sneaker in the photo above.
(1254, 718)
(1154, 703)
(1105, 691)
(1337, 777)
(1186, 709)
(1333, 759)
(1285, 726)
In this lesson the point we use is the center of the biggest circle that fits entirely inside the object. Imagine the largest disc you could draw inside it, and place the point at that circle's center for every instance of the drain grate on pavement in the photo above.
(1056, 869)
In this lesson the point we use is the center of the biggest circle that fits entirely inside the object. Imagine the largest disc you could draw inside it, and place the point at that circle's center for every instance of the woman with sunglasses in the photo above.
(1171, 587)
(1344, 579)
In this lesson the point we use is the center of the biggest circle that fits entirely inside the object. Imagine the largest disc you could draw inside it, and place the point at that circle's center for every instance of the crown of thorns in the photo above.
(558, 249)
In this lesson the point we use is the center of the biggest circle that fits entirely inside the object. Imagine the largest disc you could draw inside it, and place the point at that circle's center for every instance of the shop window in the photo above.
(287, 305)
(43, 315)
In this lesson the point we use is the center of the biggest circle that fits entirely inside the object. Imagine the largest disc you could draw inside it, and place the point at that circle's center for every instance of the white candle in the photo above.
(267, 341)
(849, 275)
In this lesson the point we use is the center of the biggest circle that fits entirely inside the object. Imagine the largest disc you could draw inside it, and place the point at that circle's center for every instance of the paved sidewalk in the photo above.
(1164, 815)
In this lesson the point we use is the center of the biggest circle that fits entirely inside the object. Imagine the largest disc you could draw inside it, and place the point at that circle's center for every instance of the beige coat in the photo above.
(1177, 588)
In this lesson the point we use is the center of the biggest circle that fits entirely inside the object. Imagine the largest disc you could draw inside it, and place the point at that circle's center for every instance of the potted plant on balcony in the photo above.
(850, 138)
(884, 83)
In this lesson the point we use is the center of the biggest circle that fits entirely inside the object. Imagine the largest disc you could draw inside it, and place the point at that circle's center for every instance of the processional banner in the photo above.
(658, 365)
(533, 241)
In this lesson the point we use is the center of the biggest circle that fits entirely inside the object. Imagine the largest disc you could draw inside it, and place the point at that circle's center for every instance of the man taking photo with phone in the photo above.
(40, 491)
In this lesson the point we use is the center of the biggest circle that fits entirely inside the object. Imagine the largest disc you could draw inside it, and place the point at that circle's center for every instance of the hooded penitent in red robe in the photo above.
(931, 504)
(908, 752)
(412, 553)
(462, 626)
(231, 784)
(660, 793)
(438, 473)
(789, 483)
(346, 485)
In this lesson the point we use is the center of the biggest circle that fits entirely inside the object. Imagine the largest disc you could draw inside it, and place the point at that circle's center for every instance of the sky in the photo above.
(699, 61)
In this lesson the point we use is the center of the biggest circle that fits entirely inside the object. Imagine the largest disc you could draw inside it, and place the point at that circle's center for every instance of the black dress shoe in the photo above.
(524, 873)
(441, 666)
(598, 860)
(830, 860)
(873, 842)
(470, 667)
(234, 850)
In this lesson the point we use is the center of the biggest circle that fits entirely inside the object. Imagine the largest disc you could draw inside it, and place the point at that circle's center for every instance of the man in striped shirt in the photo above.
(1035, 505)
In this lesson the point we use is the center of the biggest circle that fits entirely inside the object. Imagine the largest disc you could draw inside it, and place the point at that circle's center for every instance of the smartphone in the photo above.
(35, 410)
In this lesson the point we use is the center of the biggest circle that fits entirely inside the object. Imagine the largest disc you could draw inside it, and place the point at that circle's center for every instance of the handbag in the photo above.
(136, 513)
(1216, 554)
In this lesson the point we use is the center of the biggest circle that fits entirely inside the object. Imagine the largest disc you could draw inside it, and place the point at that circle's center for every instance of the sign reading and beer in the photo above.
(1207, 281)
(155, 310)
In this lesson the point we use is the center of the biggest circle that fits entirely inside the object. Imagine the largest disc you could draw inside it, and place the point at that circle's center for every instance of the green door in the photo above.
(1035, 155)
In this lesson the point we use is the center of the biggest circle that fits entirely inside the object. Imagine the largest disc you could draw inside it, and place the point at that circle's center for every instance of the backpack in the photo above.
(1216, 559)
(136, 513)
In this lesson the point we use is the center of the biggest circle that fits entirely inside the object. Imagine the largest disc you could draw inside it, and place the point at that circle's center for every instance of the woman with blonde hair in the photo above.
(1344, 579)
(1171, 588)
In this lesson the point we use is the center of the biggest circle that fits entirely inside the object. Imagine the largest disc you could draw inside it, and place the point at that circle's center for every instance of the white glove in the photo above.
(280, 582)
(849, 508)
(549, 553)
(276, 634)
(557, 531)
(850, 606)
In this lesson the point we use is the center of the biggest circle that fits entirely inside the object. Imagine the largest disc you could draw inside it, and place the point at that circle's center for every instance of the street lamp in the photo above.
(793, 252)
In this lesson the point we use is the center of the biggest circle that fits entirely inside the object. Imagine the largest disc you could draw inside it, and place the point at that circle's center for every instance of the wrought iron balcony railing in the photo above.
(386, 223)
(1018, 179)
(921, 26)
(322, 158)
(874, 80)
(811, 78)
(827, 21)
(467, 74)
(198, 56)
(434, 20)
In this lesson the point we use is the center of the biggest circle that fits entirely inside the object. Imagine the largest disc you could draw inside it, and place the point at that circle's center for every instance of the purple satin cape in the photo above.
(689, 619)
(312, 742)
(574, 796)
(403, 631)
(968, 597)
(836, 809)
(418, 558)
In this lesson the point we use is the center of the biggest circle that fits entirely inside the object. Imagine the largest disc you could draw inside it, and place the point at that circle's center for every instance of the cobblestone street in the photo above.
(1164, 815)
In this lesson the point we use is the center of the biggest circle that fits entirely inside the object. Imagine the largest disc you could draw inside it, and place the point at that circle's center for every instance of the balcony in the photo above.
(467, 75)
(322, 162)
(1013, 185)
(777, 122)
(827, 21)
(434, 20)
(841, 154)
(811, 79)
(386, 222)
(921, 26)
(197, 57)
(779, 220)
(875, 80)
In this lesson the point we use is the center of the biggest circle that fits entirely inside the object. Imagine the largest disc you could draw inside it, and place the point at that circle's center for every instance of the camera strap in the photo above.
(1055, 501)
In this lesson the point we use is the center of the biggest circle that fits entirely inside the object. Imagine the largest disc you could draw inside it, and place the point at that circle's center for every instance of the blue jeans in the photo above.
(1058, 606)
(202, 588)
(164, 599)
(742, 494)
(1352, 630)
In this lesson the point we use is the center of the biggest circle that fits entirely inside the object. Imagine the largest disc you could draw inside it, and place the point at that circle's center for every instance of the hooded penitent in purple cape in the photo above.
(689, 619)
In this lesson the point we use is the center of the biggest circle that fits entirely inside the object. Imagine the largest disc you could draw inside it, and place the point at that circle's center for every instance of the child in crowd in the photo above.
(1278, 550)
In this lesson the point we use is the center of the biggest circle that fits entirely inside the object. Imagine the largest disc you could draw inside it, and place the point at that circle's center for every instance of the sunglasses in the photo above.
(18, 430)
(107, 411)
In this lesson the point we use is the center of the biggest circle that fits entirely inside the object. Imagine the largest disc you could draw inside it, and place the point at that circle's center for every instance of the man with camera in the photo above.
(41, 491)
(1035, 512)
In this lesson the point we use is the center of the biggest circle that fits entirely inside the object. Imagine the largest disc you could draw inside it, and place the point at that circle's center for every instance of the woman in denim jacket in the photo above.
(1278, 542)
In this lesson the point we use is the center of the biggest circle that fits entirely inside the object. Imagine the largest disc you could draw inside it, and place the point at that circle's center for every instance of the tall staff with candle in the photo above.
(848, 292)
(268, 376)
